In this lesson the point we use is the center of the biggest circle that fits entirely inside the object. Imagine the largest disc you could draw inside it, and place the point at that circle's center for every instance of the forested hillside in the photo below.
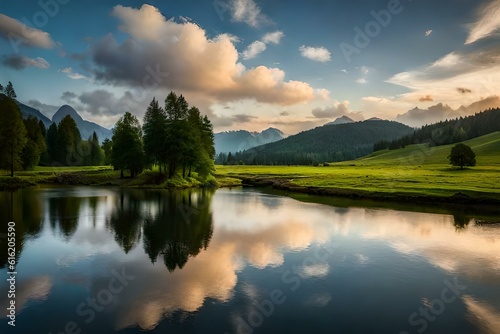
(448, 132)
(329, 143)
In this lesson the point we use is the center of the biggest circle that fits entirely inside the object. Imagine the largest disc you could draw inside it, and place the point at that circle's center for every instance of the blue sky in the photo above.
(251, 64)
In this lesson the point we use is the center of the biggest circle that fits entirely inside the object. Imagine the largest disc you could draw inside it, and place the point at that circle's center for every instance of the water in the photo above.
(94, 260)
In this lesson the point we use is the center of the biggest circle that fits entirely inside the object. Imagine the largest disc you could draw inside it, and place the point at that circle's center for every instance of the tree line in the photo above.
(175, 138)
(26, 143)
(448, 132)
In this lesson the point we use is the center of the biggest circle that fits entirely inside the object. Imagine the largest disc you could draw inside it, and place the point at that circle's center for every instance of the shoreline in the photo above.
(149, 180)
(284, 184)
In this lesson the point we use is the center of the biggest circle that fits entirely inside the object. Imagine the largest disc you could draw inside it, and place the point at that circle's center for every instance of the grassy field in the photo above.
(417, 170)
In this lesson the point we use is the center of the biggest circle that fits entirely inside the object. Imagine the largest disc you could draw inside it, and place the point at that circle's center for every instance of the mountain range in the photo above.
(328, 143)
(86, 128)
(236, 141)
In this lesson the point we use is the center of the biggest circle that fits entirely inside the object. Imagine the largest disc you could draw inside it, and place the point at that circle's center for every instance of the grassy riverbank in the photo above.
(417, 172)
(92, 176)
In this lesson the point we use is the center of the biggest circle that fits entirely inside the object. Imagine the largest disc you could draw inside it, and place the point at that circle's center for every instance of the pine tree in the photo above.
(13, 136)
(52, 149)
(96, 153)
(107, 147)
(35, 145)
(69, 143)
(154, 129)
(127, 151)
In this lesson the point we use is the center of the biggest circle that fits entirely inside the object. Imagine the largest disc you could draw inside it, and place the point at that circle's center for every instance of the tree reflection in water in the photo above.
(175, 224)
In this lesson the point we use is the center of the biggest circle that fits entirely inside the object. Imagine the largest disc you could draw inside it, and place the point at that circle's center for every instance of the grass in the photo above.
(416, 170)
(95, 176)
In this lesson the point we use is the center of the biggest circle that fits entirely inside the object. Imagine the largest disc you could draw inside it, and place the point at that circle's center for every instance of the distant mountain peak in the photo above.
(341, 120)
(240, 140)
(64, 111)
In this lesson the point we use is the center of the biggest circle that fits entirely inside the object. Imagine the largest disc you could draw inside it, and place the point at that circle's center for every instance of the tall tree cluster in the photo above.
(65, 146)
(178, 138)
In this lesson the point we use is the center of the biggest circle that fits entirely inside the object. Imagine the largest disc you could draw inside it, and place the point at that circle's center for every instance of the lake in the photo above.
(97, 260)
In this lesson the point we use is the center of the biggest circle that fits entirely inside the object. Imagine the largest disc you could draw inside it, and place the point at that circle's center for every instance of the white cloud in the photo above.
(428, 33)
(247, 11)
(336, 110)
(319, 54)
(18, 33)
(257, 47)
(487, 23)
(273, 37)
(21, 62)
(253, 50)
(477, 72)
(362, 81)
(73, 75)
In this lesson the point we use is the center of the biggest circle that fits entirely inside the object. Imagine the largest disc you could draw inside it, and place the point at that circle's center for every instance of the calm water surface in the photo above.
(94, 260)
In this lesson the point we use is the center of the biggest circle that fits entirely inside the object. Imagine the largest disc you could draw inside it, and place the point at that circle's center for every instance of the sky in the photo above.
(255, 64)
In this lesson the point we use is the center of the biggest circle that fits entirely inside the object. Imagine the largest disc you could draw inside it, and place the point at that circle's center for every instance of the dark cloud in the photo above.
(427, 98)
(284, 113)
(46, 109)
(102, 102)
(69, 97)
(19, 62)
(464, 90)
(242, 118)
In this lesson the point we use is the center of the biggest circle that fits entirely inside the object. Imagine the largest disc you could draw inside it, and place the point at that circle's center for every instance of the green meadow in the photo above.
(417, 170)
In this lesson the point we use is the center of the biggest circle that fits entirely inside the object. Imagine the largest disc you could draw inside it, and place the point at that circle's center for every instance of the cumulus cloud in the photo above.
(247, 11)
(273, 37)
(487, 23)
(319, 54)
(254, 49)
(166, 54)
(362, 81)
(427, 98)
(338, 109)
(19, 62)
(17, 33)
